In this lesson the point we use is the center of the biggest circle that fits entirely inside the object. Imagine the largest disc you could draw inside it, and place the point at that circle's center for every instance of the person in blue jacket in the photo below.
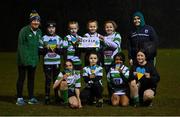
(142, 36)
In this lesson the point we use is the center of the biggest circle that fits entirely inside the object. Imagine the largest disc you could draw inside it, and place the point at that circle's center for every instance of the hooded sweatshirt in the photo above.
(142, 37)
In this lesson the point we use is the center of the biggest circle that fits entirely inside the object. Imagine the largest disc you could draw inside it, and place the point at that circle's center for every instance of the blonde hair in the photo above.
(92, 20)
(112, 22)
(73, 22)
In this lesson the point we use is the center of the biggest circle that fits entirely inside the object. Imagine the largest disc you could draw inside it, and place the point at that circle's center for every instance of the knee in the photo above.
(63, 85)
(124, 104)
(115, 100)
(133, 84)
(148, 95)
(74, 104)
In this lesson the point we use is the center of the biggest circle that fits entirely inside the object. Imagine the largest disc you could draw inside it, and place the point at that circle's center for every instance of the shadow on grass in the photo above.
(8, 99)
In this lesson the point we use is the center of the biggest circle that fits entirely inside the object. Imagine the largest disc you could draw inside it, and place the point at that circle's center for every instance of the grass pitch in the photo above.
(166, 102)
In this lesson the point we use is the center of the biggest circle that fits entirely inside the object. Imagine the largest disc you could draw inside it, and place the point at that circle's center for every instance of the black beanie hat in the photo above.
(34, 16)
(51, 24)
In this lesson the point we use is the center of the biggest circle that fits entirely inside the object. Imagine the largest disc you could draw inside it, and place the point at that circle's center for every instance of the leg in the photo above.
(20, 81)
(56, 69)
(85, 95)
(115, 99)
(97, 89)
(48, 75)
(134, 92)
(73, 101)
(31, 76)
(64, 91)
(148, 97)
(124, 100)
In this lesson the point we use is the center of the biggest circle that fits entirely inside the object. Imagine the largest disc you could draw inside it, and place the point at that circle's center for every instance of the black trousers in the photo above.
(22, 71)
(89, 93)
(51, 74)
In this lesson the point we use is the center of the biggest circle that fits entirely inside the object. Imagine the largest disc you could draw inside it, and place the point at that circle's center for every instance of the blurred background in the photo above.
(163, 15)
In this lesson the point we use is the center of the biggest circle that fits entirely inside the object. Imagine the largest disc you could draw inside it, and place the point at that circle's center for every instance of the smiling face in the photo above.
(69, 65)
(93, 59)
(136, 21)
(92, 27)
(51, 30)
(35, 24)
(73, 28)
(109, 28)
(141, 58)
(118, 60)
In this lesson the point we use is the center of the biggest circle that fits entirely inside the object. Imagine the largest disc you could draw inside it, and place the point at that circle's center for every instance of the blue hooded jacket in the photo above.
(142, 37)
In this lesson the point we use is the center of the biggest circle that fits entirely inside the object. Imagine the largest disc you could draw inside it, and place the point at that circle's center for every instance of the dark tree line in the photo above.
(163, 15)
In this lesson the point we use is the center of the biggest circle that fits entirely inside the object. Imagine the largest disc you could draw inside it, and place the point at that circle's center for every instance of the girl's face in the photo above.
(136, 21)
(51, 30)
(93, 59)
(109, 28)
(92, 27)
(118, 60)
(141, 58)
(73, 28)
(69, 65)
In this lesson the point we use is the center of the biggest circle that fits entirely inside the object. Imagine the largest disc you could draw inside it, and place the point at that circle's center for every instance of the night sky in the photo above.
(163, 15)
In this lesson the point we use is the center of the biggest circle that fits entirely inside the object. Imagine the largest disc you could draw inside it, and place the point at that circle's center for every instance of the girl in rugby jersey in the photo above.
(71, 42)
(111, 43)
(69, 84)
(92, 75)
(51, 45)
(92, 27)
(117, 79)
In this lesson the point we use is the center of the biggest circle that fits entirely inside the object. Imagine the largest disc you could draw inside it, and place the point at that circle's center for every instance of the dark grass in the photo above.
(166, 102)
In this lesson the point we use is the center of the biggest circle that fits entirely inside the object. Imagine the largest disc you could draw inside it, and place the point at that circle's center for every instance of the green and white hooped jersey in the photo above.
(110, 42)
(73, 79)
(69, 43)
(96, 70)
(114, 77)
(52, 58)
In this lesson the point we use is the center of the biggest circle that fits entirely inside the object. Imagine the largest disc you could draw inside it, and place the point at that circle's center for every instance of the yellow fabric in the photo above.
(139, 75)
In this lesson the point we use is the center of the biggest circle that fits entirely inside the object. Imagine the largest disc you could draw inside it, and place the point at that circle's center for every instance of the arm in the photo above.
(115, 43)
(154, 37)
(21, 45)
(155, 78)
(58, 81)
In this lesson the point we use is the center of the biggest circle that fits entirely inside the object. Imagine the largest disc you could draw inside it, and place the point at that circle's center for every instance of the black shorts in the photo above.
(71, 93)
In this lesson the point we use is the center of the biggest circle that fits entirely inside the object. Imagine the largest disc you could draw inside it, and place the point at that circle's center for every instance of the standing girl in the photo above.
(112, 43)
(92, 27)
(71, 42)
(52, 61)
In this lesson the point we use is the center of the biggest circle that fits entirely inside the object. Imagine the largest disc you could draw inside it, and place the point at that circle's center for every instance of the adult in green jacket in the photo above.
(27, 57)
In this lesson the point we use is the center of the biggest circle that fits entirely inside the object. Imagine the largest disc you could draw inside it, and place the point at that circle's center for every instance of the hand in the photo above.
(101, 38)
(131, 62)
(80, 106)
(147, 75)
(135, 73)
(47, 46)
(79, 39)
(92, 76)
(120, 70)
(65, 76)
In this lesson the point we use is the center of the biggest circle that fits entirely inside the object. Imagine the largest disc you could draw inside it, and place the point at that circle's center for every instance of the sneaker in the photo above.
(33, 101)
(99, 103)
(20, 102)
(47, 100)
